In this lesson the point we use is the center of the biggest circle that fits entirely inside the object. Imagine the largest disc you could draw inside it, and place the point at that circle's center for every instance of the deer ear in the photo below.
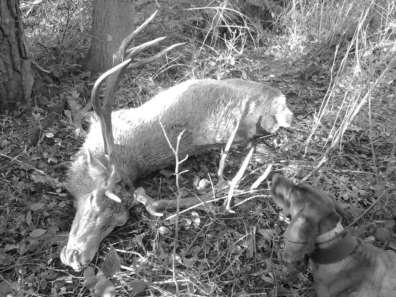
(96, 169)
(281, 112)
(281, 188)
(95, 199)
(108, 176)
(114, 176)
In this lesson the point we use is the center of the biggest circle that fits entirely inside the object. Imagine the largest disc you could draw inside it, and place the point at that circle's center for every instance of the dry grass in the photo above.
(335, 62)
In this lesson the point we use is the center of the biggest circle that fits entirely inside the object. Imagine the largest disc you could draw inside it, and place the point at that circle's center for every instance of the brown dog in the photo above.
(342, 265)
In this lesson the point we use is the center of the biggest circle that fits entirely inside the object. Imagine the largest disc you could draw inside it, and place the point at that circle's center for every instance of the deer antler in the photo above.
(105, 117)
(122, 57)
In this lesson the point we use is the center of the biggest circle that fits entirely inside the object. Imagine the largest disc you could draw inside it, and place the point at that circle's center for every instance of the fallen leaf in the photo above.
(167, 173)
(383, 234)
(6, 288)
(163, 230)
(10, 247)
(266, 233)
(103, 287)
(203, 184)
(37, 206)
(6, 259)
(29, 218)
(138, 286)
(268, 278)
(37, 232)
(195, 219)
(111, 263)
(90, 279)
(52, 160)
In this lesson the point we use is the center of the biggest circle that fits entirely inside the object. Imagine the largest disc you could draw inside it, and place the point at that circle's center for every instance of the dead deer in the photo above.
(130, 143)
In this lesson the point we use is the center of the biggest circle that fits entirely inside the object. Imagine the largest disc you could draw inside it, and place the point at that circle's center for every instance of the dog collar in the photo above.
(330, 235)
(342, 248)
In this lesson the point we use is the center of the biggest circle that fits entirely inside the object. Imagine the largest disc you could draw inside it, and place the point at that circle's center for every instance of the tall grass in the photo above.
(363, 35)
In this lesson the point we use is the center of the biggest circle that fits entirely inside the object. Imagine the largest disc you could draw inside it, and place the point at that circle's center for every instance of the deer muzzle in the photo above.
(91, 225)
(75, 258)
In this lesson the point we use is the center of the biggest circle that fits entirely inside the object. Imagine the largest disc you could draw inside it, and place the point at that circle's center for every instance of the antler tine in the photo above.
(133, 51)
(127, 40)
(104, 112)
(104, 118)
(112, 75)
(156, 56)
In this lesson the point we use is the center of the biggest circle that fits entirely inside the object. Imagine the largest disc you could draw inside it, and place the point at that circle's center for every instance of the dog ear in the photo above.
(281, 189)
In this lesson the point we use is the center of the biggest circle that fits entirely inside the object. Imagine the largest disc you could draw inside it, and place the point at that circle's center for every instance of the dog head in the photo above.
(312, 213)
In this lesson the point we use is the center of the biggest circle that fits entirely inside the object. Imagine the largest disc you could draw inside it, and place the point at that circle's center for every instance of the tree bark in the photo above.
(16, 77)
(112, 21)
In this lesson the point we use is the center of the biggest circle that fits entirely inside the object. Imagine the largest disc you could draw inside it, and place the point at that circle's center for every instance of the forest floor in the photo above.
(218, 254)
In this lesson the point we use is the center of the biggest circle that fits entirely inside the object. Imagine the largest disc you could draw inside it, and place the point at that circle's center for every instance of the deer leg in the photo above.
(157, 207)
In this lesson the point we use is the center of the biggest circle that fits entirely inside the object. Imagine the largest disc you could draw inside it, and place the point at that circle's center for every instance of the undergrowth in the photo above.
(335, 62)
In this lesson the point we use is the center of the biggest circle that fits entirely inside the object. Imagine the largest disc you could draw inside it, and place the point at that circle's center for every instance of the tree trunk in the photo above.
(112, 21)
(16, 78)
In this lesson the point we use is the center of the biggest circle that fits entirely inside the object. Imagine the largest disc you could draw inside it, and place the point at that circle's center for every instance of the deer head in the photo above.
(281, 115)
(101, 209)
(98, 213)
(312, 212)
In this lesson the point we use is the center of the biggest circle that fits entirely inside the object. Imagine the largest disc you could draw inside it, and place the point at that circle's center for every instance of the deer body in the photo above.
(206, 109)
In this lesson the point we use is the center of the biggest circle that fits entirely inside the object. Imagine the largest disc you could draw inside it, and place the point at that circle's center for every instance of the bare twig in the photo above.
(351, 114)
(224, 154)
(366, 211)
(317, 167)
(251, 198)
(195, 206)
(236, 180)
(39, 67)
(261, 178)
(178, 162)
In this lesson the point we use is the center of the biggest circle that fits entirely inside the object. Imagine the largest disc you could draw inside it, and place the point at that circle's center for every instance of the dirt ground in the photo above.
(217, 253)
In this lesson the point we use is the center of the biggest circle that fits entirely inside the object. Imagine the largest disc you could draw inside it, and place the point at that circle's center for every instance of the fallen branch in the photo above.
(261, 178)
(237, 179)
